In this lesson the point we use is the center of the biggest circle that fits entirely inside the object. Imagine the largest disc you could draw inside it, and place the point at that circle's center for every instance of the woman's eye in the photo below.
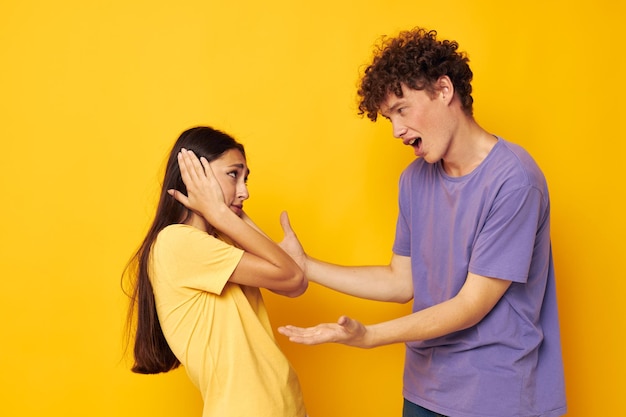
(232, 174)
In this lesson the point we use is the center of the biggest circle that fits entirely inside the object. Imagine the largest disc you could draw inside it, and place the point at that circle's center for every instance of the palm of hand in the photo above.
(290, 242)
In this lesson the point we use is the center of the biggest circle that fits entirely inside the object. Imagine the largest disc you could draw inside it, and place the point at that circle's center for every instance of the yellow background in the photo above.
(93, 94)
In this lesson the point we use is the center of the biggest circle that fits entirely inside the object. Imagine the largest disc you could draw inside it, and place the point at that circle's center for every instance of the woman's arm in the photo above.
(264, 263)
(249, 221)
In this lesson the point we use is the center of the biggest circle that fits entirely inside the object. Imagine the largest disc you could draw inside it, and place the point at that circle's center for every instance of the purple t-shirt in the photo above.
(493, 222)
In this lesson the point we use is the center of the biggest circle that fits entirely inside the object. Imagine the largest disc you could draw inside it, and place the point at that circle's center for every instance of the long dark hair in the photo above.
(152, 354)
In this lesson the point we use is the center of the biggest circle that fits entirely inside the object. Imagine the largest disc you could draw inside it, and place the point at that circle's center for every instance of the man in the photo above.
(472, 249)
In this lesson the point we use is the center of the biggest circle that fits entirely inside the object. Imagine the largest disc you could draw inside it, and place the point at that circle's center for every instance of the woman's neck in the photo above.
(198, 222)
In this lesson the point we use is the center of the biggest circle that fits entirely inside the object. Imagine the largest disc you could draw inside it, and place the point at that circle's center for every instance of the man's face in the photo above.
(419, 119)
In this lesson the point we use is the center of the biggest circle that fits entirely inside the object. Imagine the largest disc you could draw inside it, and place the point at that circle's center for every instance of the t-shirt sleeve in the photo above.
(505, 245)
(186, 257)
(402, 242)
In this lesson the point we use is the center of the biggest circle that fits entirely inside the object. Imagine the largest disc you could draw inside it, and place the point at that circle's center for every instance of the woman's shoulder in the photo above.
(177, 228)
(176, 234)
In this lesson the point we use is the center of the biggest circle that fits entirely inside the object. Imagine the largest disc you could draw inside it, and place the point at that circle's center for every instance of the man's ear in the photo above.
(445, 88)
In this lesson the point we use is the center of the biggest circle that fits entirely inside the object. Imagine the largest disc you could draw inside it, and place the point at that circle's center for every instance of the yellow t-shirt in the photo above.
(220, 331)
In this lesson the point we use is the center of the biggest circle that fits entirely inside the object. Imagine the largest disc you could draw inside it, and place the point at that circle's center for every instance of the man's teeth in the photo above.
(412, 141)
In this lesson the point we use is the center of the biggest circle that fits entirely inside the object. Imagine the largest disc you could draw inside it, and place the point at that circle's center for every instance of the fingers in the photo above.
(349, 325)
(186, 167)
(195, 171)
(178, 196)
(344, 321)
(206, 165)
(184, 173)
(191, 169)
(188, 164)
(296, 332)
(285, 223)
(347, 331)
(322, 333)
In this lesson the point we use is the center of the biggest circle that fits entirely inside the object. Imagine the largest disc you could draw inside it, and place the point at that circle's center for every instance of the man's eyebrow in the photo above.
(395, 106)
(391, 109)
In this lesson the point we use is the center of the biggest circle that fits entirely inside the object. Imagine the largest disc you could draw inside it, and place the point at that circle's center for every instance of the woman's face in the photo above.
(231, 172)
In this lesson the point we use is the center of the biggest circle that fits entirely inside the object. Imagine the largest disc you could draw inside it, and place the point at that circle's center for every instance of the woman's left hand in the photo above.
(204, 194)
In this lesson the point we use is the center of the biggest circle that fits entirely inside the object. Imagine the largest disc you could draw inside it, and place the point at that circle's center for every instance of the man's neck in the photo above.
(470, 146)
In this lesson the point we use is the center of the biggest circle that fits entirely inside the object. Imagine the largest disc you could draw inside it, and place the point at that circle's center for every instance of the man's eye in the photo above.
(232, 174)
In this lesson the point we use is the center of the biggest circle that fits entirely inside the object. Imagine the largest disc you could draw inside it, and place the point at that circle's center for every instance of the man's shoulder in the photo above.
(512, 168)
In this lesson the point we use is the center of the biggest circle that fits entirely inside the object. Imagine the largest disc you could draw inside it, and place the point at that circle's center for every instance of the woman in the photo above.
(198, 274)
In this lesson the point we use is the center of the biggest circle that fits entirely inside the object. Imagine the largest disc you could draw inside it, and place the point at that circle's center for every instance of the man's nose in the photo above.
(399, 131)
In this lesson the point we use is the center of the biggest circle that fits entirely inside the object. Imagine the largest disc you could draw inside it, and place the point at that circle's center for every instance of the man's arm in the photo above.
(474, 301)
(391, 282)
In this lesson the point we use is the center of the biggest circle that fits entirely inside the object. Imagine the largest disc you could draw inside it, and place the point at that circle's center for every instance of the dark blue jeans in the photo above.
(414, 410)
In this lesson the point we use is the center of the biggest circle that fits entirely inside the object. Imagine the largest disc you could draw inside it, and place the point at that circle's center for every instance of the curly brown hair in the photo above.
(416, 59)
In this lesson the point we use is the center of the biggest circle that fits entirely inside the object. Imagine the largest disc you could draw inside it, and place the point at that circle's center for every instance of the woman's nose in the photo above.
(243, 192)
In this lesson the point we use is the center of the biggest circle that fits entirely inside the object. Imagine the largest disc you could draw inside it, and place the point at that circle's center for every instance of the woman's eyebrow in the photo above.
(240, 166)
